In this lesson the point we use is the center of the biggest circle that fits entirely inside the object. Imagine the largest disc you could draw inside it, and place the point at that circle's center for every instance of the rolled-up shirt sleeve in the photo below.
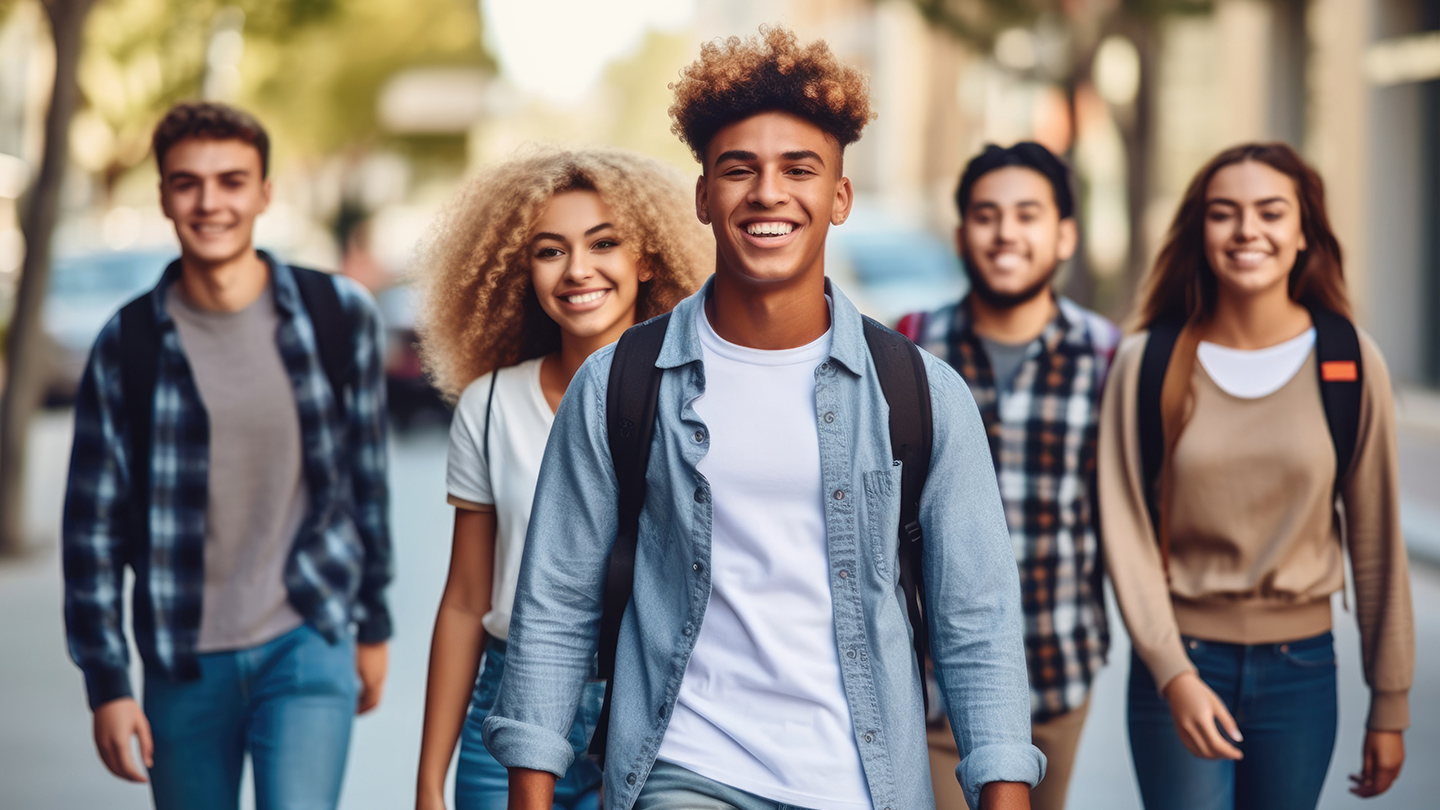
(972, 590)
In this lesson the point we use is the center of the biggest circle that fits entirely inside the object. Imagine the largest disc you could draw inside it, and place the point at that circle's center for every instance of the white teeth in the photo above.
(1248, 256)
(769, 228)
(584, 298)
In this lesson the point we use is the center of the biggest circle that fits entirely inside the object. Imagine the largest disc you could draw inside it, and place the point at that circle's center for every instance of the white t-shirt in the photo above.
(1255, 373)
(762, 707)
(520, 421)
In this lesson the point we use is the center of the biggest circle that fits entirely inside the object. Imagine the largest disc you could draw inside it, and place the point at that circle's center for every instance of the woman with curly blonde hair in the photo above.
(536, 264)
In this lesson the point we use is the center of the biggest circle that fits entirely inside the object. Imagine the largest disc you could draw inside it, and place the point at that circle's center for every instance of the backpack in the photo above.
(631, 395)
(139, 367)
(1337, 348)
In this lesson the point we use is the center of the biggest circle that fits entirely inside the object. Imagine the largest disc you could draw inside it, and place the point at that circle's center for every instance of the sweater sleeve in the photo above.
(1132, 554)
(1371, 494)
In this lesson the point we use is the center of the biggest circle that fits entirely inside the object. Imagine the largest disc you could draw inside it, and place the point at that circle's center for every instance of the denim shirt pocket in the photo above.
(882, 517)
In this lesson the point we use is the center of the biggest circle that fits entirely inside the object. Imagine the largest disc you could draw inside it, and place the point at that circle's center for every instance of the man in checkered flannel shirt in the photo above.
(1036, 364)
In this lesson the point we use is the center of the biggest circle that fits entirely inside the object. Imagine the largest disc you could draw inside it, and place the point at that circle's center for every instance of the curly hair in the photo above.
(478, 310)
(212, 120)
(739, 78)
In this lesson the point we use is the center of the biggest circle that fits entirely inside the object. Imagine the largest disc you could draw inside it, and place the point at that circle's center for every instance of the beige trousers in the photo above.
(1057, 738)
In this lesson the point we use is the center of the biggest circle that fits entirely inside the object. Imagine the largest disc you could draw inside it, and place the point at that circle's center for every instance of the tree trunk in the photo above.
(24, 354)
(1139, 158)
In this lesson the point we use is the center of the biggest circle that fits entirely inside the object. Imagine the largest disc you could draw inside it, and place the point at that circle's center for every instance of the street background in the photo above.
(378, 108)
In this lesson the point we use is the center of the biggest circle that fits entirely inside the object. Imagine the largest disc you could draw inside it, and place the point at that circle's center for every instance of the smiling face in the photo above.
(212, 190)
(1252, 228)
(771, 190)
(1012, 237)
(586, 277)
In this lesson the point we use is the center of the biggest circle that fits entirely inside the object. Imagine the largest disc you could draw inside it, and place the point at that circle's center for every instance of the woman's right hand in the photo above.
(1196, 709)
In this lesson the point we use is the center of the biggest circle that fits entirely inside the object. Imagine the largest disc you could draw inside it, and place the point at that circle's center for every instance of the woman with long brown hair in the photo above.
(537, 263)
(1234, 422)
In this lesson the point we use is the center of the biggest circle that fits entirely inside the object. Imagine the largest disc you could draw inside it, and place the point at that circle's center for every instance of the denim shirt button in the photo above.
(699, 436)
(688, 629)
(844, 574)
(850, 654)
(839, 494)
(700, 496)
(698, 566)
(630, 780)
(869, 738)
(830, 416)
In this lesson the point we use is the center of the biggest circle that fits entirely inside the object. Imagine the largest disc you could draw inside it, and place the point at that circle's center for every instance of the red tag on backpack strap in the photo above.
(1339, 371)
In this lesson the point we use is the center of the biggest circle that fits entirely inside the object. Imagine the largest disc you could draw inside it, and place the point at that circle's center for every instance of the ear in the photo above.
(844, 201)
(266, 191)
(702, 200)
(1069, 239)
(960, 238)
(643, 271)
(164, 200)
(1304, 245)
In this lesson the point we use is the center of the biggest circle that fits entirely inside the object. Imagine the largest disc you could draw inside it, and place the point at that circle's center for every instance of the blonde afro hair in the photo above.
(477, 307)
(735, 79)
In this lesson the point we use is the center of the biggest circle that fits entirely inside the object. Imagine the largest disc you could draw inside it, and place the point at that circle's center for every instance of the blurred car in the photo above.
(410, 396)
(84, 291)
(889, 271)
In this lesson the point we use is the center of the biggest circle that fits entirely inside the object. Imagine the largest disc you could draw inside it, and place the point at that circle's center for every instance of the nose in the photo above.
(1247, 225)
(578, 268)
(767, 191)
(1006, 228)
(205, 200)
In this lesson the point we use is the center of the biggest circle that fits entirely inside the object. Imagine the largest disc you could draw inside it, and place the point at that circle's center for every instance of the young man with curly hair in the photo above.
(1036, 364)
(230, 449)
(765, 659)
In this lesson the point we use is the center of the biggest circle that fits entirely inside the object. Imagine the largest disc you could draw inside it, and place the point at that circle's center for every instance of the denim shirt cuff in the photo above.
(523, 745)
(1001, 762)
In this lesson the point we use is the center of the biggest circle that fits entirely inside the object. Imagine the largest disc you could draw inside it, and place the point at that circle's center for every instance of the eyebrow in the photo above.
(182, 174)
(993, 204)
(1226, 201)
(804, 154)
(735, 154)
(543, 235)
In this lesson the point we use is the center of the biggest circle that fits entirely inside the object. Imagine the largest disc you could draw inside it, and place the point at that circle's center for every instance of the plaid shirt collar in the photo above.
(282, 287)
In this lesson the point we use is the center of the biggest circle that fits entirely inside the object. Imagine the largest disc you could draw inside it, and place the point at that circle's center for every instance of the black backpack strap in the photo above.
(1337, 350)
(332, 328)
(1153, 363)
(906, 387)
(630, 398)
(139, 369)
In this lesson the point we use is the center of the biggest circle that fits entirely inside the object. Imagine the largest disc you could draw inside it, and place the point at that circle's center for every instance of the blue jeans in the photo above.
(671, 787)
(289, 703)
(1283, 698)
(481, 783)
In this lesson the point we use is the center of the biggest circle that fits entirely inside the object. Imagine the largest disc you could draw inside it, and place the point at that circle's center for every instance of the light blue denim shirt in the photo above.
(972, 588)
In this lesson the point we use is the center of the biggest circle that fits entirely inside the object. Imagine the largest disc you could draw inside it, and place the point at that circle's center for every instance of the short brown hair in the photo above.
(735, 79)
(212, 121)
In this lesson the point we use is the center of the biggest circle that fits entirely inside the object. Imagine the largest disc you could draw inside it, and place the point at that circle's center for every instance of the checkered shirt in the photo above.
(1042, 438)
(340, 562)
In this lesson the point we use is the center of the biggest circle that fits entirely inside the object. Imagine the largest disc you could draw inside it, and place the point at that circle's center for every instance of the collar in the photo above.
(682, 340)
(1062, 328)
(282, 287)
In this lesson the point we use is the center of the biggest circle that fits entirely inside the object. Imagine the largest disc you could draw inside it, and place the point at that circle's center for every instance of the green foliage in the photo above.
(980, 21)
(310, 70)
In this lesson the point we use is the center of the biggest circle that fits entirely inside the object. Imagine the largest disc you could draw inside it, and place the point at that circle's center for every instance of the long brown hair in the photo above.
(1182, 287)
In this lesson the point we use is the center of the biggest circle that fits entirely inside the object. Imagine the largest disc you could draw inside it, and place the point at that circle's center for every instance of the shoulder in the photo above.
(1129, 351)
(1101, 333)
(355, 299)
(472, 400)
(928, 328)
(1374, 370)
(947, 388)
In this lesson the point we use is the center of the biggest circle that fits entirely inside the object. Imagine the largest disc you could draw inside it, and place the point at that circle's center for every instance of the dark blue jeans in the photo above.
(481, 783)
(1283, 698)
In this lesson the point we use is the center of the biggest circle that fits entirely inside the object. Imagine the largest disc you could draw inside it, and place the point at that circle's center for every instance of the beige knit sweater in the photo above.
(1255, 546)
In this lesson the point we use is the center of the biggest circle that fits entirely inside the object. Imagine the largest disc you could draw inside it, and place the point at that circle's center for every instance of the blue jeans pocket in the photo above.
(1309, 653)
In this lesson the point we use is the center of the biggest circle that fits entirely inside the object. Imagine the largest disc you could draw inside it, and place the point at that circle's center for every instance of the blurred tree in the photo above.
(1075, 30)
(23, 345)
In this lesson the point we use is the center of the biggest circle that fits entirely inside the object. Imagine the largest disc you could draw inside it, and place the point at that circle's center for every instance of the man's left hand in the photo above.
(371, 662)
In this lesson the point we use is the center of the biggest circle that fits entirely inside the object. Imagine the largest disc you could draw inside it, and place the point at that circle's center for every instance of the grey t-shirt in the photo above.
(257, 495)
(1005, 360)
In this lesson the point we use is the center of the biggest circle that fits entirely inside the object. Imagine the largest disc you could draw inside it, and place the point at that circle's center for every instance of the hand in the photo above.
(371, 661)
(1196, 708)
(115, 723)
(1005, 796)
(1384, 753)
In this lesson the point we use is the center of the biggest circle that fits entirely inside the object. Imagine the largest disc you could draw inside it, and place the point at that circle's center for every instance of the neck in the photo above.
(227, 286)
(770, 316)
(1021, 323)
(1256, 321)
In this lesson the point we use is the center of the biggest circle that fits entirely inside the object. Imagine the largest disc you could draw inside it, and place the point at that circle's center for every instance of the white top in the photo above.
(762, 707)
(1255, 373)
(520, 421)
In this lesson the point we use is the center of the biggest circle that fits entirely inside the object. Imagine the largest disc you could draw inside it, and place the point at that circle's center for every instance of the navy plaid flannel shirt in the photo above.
(341, 559)
(1043, 440)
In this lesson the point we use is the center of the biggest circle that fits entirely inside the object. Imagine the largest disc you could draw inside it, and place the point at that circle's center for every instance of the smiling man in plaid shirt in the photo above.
(230, 449)
(1036, 364)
